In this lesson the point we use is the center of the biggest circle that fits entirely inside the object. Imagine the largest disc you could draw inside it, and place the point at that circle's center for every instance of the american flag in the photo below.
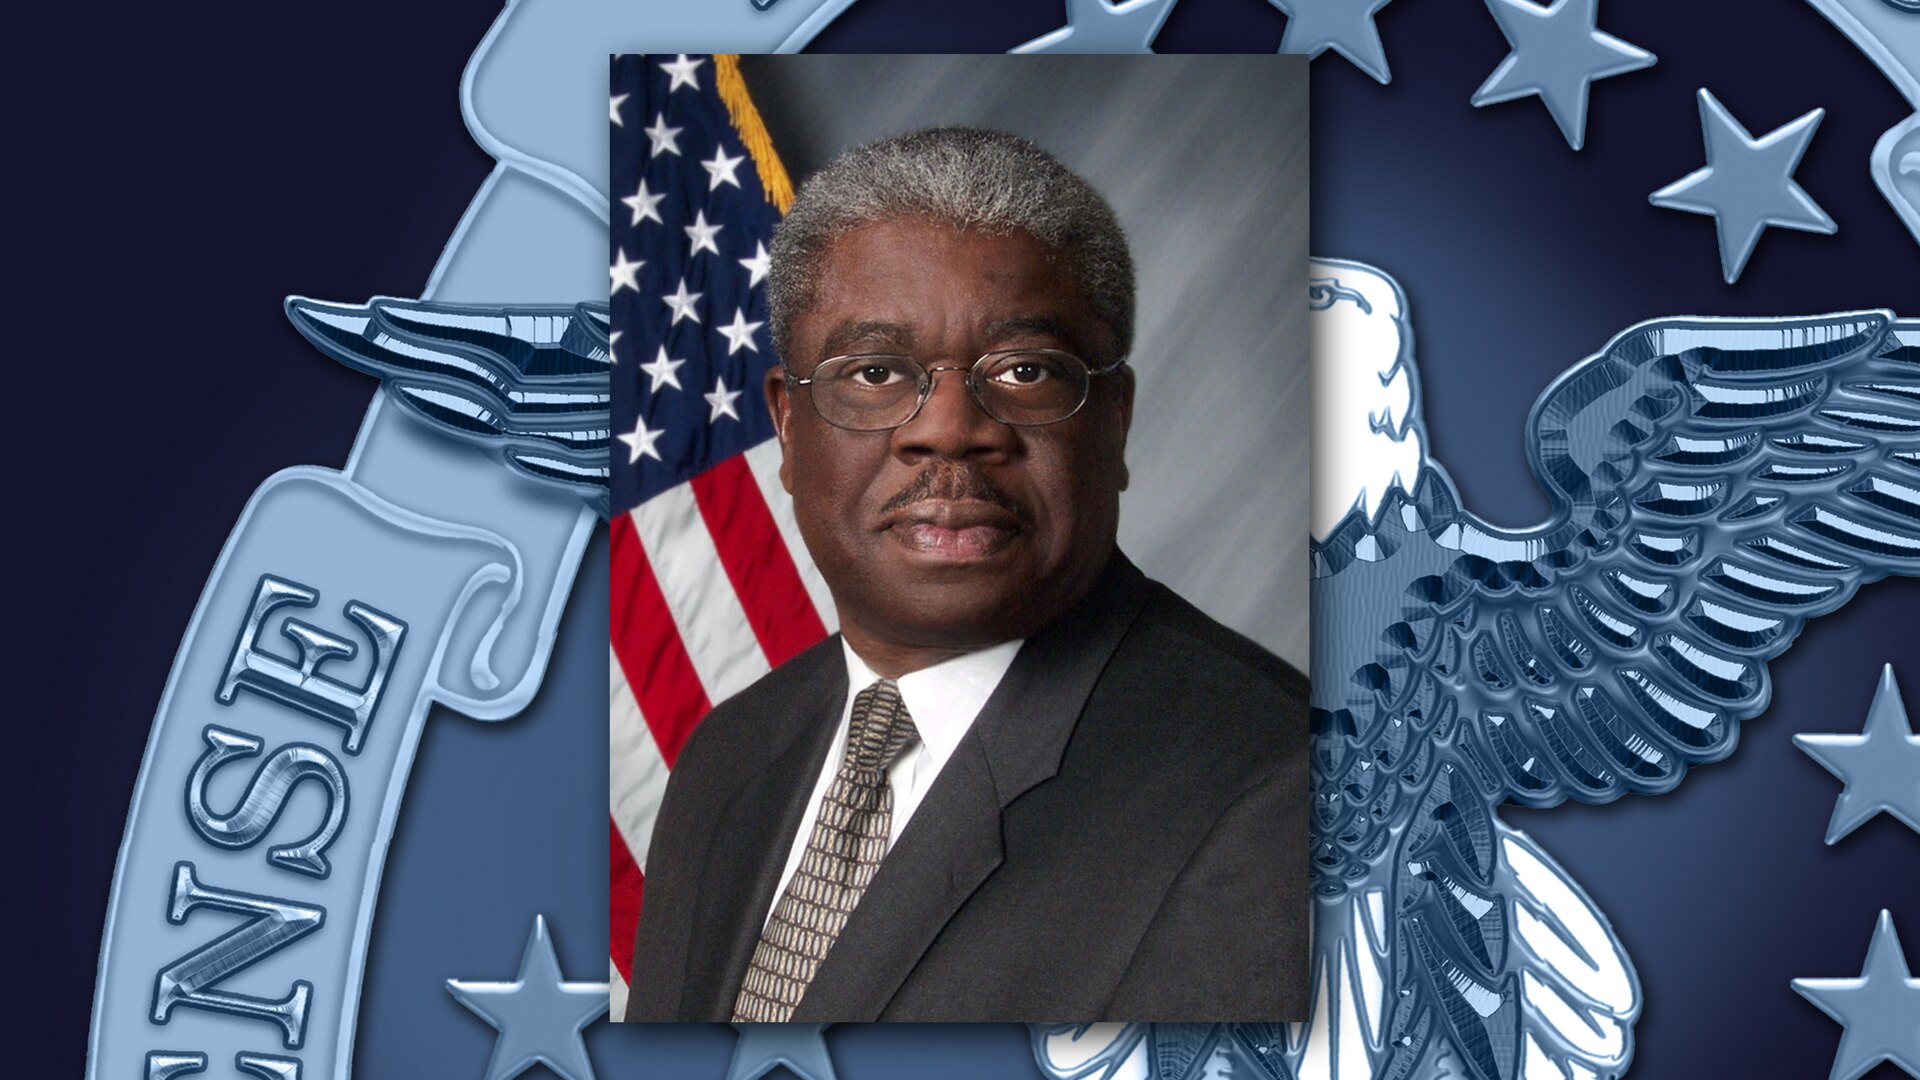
(711, 586)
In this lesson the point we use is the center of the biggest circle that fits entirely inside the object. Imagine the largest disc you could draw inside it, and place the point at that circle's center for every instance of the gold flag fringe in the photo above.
(746, 121)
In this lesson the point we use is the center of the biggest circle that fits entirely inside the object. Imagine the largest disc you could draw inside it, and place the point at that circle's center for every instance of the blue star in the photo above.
(1748, 183)
(539, 1015)
(764, 1047)
(1878, 1009)
(1556, 55)
(1095, 26)
(1880, 766)
(1345, 26)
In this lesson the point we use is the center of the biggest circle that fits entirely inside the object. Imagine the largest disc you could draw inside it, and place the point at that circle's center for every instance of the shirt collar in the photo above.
(943, 699)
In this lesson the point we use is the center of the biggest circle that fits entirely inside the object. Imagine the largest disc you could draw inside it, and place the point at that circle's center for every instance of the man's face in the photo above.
(954, 531)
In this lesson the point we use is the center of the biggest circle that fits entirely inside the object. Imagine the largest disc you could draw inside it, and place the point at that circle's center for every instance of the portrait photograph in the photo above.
(959, 570)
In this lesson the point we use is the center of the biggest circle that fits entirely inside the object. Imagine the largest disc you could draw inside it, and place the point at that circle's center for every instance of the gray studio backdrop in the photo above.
(1204, 158)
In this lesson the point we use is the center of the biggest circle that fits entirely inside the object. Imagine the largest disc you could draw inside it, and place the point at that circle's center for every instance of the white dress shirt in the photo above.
(943, 700)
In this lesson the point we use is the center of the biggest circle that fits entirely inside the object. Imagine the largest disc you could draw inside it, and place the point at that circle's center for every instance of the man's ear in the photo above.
(1124, 403)
(780, 406)
(1125, 375)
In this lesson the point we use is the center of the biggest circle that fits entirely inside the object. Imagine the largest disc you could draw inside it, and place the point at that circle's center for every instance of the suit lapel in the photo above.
(954, 840)
(947, 850)
(754, 833)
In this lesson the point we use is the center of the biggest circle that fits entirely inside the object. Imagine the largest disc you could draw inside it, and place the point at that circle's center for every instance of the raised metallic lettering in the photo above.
(300, 684)
(191, 980)
(265, 796)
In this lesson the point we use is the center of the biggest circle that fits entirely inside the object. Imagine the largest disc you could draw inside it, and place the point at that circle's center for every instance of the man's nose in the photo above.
(951, 422)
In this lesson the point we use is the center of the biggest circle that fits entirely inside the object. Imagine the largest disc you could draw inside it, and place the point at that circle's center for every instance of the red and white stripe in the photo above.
(711, 589)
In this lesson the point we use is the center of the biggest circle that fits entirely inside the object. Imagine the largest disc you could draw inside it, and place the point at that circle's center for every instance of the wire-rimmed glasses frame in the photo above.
(1019, 387)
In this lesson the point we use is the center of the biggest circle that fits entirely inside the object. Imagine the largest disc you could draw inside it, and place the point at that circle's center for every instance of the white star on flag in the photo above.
(613, 109)
(640, 441)
(739, 333)
(721, 400)
(613, 340)
(663, 137)
(721, 169)
(682, 304)
(622, 272)
(662, 370)
(757, 266)
(645, 204)
(702, 235)
(681, 72)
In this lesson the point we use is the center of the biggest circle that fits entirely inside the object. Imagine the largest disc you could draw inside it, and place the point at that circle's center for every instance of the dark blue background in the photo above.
(182, 173)
(180, 177)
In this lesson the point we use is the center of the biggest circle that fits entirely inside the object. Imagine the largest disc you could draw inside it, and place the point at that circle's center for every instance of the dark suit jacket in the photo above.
(1121, 835)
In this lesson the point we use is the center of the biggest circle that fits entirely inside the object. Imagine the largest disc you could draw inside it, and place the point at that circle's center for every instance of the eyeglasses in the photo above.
(880, 391)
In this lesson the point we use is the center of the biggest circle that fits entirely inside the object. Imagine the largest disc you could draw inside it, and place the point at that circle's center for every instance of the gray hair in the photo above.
(973, 179)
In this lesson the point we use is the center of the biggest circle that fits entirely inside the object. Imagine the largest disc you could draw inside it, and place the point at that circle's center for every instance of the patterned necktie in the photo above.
(848, 841)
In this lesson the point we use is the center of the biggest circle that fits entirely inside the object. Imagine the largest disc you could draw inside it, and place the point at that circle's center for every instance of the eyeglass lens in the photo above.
(874, 393)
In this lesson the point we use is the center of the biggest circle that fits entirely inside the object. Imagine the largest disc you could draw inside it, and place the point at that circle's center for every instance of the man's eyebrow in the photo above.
(1021, 326)
(869, 335)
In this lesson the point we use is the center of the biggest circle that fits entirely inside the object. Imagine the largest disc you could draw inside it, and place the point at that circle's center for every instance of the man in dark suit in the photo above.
(1024, 782)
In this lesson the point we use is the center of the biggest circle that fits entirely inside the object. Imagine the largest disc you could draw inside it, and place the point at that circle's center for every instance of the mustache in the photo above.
(953, 482)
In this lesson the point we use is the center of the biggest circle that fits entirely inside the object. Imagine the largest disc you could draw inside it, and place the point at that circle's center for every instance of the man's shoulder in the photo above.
(758, 720)
(1186, 645)
(1190, 713)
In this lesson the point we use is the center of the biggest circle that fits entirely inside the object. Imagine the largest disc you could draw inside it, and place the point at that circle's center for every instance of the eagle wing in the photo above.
(1716, 483)
(528, 383)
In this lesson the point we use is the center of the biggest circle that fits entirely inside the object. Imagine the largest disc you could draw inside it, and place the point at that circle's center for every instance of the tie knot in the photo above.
(881, 728)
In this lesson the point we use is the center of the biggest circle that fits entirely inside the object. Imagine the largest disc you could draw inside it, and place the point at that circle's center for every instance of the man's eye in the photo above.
(875, 375)
(1025, 372)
